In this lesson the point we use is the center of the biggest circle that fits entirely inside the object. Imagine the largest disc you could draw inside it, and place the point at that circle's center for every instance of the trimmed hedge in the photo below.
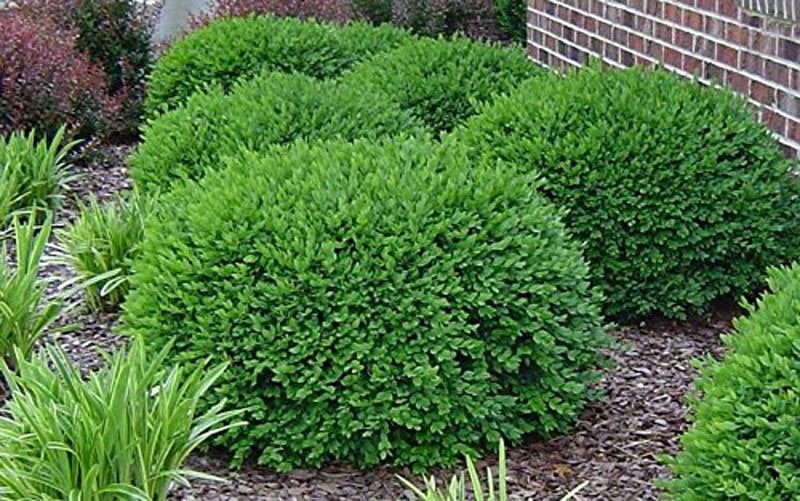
(272, 109)
(679, 193)
(386, 302)
(444, 81)
(745, 442)
(234, 48)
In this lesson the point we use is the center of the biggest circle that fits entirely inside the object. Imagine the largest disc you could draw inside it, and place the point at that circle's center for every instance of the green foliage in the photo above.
(679, 193)
(511, 17)
(25, 313)
(122, 434)
(101, 244)
(745, 441)
(114, 34)
(444, 81)
(272, 109)
(457, 488)
(234, 48)
(32, 173)
(378, 302)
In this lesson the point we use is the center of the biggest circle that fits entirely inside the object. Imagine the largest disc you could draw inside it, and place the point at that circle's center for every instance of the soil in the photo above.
(612, 453)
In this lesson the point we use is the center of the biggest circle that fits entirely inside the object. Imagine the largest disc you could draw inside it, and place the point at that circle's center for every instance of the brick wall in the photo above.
(715, 41)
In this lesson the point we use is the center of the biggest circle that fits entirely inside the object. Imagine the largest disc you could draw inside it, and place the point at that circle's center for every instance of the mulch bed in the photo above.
(614, 449)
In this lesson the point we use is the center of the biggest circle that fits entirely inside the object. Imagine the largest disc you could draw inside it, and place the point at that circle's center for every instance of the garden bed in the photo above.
(614, 448)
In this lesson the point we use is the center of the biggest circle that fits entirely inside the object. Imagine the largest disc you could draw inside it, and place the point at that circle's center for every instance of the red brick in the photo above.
(789, 103)
(672, 13)
(684, 39)
(672, 57)
(664, 32)
(708, 5)
(737, 34)
(752, 63)
(762, 93)
(692, 65)
(727, 55)
(693, 20)
(794, 130)
(738, 83)
(728, 8)
(766, 44)
(774, 121)
(636, 43)
(777, 72)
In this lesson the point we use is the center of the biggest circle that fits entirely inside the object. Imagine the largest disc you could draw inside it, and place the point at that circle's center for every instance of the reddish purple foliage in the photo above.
(338, 11)
(45, 82)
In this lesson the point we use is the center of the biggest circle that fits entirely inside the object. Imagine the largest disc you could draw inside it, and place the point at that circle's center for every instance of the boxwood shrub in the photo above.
(679, 193)
(274, 108)
(745, 441)
(377, 302)
(444, 81)
(231, 48)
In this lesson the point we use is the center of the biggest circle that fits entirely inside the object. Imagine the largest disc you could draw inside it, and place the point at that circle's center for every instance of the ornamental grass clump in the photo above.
(34, 172)
(123, 433)
(444, 81)
(379, 302)
(272, 109)
(679, 193)
(745, 439)
(240, 48)
(25, 312)
(101, 244)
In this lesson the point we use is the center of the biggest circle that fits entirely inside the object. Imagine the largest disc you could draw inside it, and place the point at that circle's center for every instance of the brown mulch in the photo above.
(612, 452)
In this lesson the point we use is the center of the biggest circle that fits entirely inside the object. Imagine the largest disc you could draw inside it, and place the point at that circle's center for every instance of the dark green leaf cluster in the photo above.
(377, 302)
(745, 442)
(444, 81)
(511, 17)
(679, 193)
(233, 48)
(271, 109)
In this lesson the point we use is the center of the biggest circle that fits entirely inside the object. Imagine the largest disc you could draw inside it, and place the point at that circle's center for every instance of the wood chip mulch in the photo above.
(613, 452)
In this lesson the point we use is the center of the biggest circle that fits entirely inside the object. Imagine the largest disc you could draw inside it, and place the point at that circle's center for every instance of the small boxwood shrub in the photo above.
(272, 109)
(679, 193)
(444, 81)
(745, 441)
(232, 48)
(378, 302)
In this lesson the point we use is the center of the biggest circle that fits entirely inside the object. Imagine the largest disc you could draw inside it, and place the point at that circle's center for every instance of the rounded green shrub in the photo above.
(272, 109)
(234, 48)
(377, 302)
(679, 193)
(745, 440)
(444, 81)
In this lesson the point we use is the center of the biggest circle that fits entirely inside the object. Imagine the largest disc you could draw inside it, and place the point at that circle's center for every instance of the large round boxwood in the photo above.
(272, 109)
(745, 440)
(444, 81)
(679, 193)
(384, 302)
(234, 48)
